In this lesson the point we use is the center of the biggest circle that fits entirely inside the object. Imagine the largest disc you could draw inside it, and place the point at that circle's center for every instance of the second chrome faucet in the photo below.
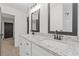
(57, 35)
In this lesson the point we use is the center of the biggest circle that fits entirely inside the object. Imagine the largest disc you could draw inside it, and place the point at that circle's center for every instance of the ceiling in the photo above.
(20, 6)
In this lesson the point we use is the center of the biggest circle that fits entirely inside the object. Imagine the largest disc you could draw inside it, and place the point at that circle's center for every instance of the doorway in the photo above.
(7, 43)
(8, 30)
(8, 22)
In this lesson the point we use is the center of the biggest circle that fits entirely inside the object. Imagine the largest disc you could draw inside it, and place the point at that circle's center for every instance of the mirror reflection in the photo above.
(62, 17)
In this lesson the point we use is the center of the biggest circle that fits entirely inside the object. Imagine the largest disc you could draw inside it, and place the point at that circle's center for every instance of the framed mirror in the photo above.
(62, 17)
(35, 21)
(27, 25)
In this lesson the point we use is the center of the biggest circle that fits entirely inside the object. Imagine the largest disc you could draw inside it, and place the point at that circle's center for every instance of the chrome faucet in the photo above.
(57, 35)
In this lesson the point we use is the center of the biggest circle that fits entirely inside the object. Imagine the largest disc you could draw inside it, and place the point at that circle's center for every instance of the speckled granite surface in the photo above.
(68, 46)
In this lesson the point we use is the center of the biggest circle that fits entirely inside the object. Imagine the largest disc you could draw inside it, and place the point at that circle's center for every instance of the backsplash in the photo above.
(74, 38)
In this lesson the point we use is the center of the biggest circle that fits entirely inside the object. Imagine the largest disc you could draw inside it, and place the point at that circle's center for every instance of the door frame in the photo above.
(13, 21)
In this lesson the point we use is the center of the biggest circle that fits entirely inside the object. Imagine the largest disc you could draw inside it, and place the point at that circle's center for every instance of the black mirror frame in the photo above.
(37, 27)
(74, 22)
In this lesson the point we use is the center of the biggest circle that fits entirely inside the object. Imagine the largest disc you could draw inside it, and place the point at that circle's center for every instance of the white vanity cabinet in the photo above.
(25, 48)
(30, 48)
(38, 51)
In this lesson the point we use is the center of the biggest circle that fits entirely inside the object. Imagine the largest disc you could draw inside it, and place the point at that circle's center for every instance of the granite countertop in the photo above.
(61, 47)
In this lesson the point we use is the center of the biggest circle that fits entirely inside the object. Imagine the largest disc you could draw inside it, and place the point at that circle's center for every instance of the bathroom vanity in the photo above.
(30, 46)
(37, 45)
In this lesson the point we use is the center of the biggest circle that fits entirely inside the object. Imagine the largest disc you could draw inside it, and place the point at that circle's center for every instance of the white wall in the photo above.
(20, 21)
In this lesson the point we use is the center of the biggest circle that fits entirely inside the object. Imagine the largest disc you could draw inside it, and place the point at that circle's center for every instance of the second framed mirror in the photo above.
(35, 21)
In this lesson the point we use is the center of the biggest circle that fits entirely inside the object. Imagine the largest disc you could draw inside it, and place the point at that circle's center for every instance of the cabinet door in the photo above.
(25, 48)
(22, 49)
(37, 51)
